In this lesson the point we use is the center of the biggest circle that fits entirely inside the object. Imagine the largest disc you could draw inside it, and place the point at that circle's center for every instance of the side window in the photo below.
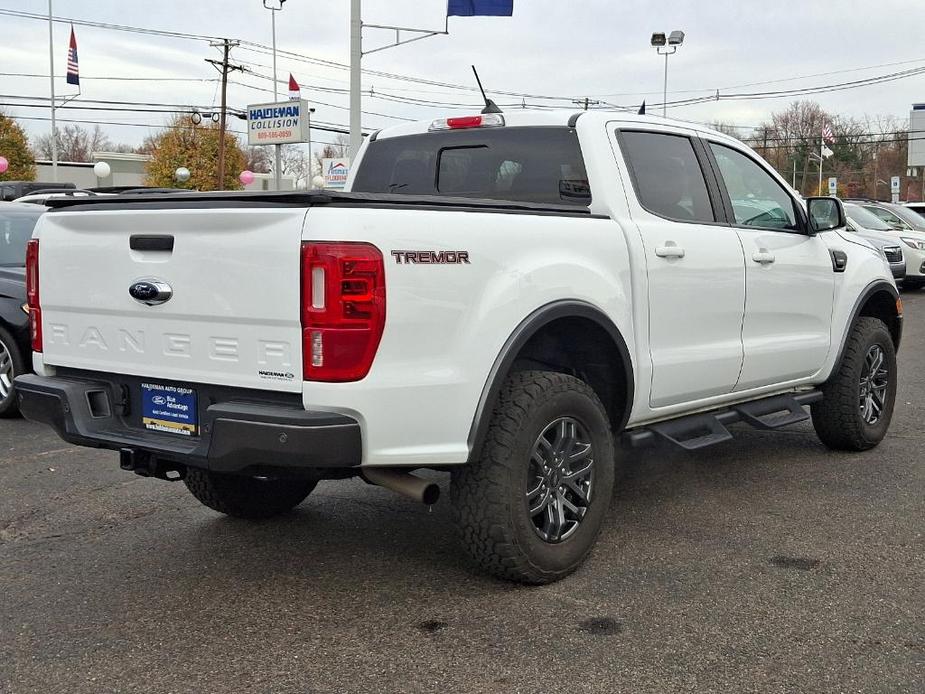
(668, 179)
(888, 217)
(757, 199)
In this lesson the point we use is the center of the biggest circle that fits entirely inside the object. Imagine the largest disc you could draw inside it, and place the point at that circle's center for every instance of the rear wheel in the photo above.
(247, 497)
(11, 365)
(530, 508)
(857, 406)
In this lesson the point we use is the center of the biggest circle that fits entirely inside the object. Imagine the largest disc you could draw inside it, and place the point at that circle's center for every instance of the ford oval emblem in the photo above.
(150, 292)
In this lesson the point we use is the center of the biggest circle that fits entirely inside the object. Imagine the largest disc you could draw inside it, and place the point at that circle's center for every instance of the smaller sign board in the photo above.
(833, 186)
(335, 172)
(894, 184)
(281, 123)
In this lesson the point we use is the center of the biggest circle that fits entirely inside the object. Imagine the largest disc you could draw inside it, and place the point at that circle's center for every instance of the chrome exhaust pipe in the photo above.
(404, 483)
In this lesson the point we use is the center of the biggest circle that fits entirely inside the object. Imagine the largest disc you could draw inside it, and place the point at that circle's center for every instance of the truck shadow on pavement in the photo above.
(355, 533)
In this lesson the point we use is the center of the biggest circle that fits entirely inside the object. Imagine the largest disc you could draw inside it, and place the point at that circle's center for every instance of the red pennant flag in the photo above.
(294, 92)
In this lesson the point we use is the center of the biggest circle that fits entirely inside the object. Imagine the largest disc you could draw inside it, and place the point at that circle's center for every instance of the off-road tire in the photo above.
(246, 497)
(838, 418)
(488, 495)
(9, 405)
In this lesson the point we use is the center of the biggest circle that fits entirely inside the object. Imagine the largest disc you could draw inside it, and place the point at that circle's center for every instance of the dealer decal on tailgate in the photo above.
(169, 408)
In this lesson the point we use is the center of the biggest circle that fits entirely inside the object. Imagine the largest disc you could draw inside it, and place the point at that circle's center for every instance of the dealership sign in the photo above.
(335, 172)
(278, 124)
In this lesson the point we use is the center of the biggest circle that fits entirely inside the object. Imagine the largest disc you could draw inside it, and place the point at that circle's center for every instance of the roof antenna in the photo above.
(642, 109)
(490, 106)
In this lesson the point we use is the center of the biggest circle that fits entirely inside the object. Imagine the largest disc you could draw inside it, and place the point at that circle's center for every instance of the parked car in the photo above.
(910, 228)
(40, 196)
(11, 190)
(544, 286)
(879, 234)
(17, 221)
(918, 207)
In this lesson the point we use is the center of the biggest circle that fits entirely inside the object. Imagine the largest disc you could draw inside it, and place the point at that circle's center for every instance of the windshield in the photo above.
(865, 218)
(908, 216)
(15, 230)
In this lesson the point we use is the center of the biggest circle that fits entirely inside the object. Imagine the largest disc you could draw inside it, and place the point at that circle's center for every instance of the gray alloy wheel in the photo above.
(6, 373)
(560, 479)
(875, 379)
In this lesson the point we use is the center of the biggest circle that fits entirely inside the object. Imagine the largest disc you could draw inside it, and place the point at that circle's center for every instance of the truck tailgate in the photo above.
(232, 319)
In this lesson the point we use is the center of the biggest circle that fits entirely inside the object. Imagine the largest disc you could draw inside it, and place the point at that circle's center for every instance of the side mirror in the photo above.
(825, 214)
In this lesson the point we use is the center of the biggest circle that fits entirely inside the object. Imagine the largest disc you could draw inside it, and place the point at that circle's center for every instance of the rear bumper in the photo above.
(237, 433)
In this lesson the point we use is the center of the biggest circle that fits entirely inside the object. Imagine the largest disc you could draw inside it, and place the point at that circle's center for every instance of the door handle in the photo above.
(763, 256)
(669, 250)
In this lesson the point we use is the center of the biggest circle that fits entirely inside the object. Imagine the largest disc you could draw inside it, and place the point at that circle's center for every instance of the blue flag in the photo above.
(484, 8)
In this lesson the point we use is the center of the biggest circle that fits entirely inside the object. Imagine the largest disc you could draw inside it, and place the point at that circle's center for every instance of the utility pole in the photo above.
(586, 102)
(224, 67)
(356, 60)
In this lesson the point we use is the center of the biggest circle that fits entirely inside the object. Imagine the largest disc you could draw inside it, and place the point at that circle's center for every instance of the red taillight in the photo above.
(343, 309)
(32, 293)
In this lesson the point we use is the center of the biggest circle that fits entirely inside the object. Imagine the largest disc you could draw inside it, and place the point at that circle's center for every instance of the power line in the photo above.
(106, 25)
(114, 79)
(149, 125)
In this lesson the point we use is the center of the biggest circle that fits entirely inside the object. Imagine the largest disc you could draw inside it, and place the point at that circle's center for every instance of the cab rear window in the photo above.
(535, 164)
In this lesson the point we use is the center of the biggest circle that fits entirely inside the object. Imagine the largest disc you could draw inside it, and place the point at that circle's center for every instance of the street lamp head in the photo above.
(676, 38)
(273, 4)
(659, 39)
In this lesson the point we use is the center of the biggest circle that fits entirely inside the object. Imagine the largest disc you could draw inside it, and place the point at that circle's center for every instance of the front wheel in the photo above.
(246, 497)
(858, 398)
(530, 507)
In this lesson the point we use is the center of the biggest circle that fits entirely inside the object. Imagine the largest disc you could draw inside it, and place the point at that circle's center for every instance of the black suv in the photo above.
(16, 223)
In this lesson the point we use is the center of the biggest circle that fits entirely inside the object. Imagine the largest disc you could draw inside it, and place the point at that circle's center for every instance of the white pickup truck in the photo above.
(503, 296)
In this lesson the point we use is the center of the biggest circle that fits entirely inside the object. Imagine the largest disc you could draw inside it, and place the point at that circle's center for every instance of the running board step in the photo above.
(697, 431)
(694, 432)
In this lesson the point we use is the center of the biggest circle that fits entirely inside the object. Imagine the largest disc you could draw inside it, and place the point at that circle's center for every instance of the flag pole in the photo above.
(51, 80)
(821, 159)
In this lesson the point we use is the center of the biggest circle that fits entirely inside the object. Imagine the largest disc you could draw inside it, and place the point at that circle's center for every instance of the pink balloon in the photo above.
(4, 165)
(246, 177)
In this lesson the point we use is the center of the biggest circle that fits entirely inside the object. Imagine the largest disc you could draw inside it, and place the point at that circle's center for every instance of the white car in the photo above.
(503, 296)
(41, 196)
(880, 235)
(918, 207)
(910, 228)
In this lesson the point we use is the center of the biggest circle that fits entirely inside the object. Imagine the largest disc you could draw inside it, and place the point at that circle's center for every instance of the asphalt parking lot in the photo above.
(767, 564)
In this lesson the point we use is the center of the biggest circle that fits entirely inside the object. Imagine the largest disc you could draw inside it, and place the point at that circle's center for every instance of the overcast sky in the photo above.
(595, 48)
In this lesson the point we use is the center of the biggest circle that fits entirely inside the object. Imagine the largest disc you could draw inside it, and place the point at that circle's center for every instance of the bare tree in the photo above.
(297, 163)
(74, 143)
(258, 160)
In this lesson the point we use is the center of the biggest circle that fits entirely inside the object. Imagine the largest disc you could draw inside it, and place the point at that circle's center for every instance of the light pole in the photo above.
(275, 6)
(311, 157)
(667, 45)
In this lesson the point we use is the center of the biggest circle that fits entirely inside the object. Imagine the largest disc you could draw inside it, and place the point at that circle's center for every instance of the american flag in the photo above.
(73, 74)
(827, 134)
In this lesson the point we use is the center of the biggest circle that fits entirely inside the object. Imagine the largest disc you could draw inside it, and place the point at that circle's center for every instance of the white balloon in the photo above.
(318, 182)
(101, 169)
(182, 174)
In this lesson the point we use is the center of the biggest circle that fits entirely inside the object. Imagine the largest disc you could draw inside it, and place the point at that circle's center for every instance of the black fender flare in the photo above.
(522, 333)
(863, 298)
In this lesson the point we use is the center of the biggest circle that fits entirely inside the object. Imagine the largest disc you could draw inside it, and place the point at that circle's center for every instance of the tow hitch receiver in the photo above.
(146, 465)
